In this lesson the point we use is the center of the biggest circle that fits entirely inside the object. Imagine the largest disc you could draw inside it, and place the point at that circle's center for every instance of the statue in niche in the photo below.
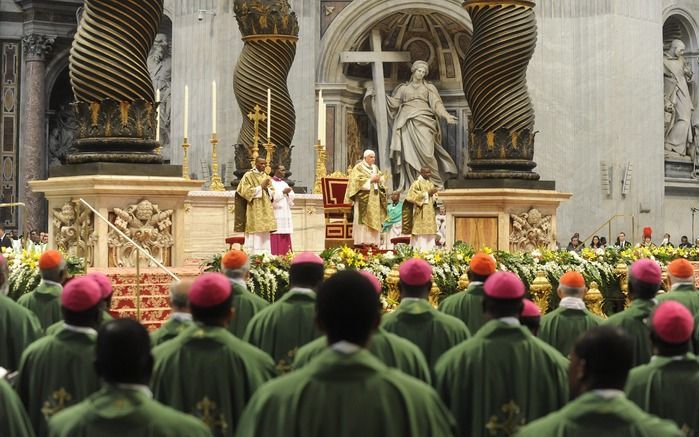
(62, 134)
(530, 230)
(160, 68)
(74, 231)
(148, 226)
(678, 75)
(415, 108)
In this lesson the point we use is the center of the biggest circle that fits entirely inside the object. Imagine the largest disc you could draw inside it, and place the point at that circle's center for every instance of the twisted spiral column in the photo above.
(115, 100)
(495, 85)
(270, 33)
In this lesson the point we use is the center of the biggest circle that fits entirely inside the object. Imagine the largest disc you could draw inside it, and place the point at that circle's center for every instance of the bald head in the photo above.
(179, 295)
(123, 352)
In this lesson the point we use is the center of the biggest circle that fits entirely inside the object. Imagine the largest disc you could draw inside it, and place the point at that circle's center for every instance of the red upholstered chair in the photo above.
(338, 225)
(400, 240)
(230, 241)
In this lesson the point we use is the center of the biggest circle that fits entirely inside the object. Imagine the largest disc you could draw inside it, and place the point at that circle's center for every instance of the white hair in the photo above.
(368, 152)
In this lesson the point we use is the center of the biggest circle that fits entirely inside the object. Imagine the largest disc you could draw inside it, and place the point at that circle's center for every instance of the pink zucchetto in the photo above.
(81, 294)
(209, 289)
(104, 283)
(373, 279)
(530, 309)
(504, 285)
(415, 271)
(646, 270)
(307, 258)
(672, 322)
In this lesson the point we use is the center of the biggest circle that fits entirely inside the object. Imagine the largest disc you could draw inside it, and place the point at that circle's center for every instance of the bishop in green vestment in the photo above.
(467, 305)
(417, 320)
(421, 210)
(58, 371)
(289, 323)
(346, 391)
(18, 328)
(366, 191)
(44, 300)
(206, 371)
(599, 365)
(254, 214)
(180, 317)
(561, 327)
(15, 421)
(390, 349)
(123, 407)
(682, 289)
(236, 266)
(644, 283)
(668, 386)
(502, 377)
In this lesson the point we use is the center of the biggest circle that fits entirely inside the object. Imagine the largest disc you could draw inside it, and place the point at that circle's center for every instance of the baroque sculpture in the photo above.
(62, 134)
(269, 31)
(160, 68)
(148, 226)
(115, 99)
(74, 231)
(501, 128)
(679, 109)
(530, 230)
(415, 108)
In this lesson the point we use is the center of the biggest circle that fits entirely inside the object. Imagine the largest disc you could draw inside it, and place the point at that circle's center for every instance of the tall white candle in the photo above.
(157, 115)
(320, 115)
(269, 113)
(186, 109)
(213, 106)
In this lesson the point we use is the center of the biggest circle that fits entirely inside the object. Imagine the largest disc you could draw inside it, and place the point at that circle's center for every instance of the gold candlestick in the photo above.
(216, 183)
(256, 117)
(185, 160)
(269, 147)
(321, 170)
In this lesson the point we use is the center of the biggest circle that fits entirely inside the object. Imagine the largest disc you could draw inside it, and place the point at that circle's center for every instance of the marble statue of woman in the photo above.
(678, 101)
(415, 108)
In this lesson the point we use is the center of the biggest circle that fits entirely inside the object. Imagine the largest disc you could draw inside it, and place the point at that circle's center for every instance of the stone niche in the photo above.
(148, 209)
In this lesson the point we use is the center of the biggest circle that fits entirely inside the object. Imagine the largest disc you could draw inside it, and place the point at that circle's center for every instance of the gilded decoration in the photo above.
(149, 227)
(530, 230)
(74, 230)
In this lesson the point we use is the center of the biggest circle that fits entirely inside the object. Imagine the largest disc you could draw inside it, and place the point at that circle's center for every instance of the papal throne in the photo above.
(338, 214)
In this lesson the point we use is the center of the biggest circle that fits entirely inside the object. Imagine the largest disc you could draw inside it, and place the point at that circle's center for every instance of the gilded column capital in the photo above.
(37, 47)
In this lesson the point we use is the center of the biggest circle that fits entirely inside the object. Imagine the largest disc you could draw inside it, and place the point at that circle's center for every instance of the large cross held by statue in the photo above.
(377, 57)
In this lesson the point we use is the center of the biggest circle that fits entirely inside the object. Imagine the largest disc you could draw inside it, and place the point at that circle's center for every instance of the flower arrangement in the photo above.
(24, 270)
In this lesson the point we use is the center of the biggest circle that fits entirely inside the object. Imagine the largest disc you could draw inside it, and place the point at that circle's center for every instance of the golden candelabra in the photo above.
(256, 117)
(540, 290)
(433, 297)
(216, 183)
(392, 279)
(622, 271)
(269, 147)
(464, 281)
(594, 300)
(321, 170)
(185, 159)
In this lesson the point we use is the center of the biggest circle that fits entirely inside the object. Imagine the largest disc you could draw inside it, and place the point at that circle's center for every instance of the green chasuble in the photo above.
(45, 302)
(254, 214)
(18, 328)
(124, 412)
(390, 349)
(433, 332)
(395, 214)
(209, 373)
(346, 395)
(175, 325)
(593, 415)
(246, 305)
(13, 419)
(424, 216)
(668, 387)
(685, 294)
(371, 203)
(51, 330)
(561, 327)
(283, 327)
(467, 306)
(56, 372)
(634, 321)
(501, 378)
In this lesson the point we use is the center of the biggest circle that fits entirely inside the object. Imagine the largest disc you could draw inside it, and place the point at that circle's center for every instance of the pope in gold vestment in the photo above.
(367, 192)
(254, 214)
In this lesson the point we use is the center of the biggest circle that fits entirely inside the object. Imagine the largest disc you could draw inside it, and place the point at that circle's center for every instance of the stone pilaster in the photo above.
(32, 157)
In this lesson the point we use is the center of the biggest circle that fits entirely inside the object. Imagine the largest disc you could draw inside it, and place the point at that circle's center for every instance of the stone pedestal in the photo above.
(209, 220)
(120, 199)
(502, 218)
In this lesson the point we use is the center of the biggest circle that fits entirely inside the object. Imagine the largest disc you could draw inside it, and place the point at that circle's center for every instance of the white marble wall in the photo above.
(208, 50)
(596, 83)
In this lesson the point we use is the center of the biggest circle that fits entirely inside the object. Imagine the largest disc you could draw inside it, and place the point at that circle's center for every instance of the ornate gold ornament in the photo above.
(540, 290)
(594, 300)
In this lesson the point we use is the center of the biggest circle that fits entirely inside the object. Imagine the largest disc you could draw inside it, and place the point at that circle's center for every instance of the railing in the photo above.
(140, 249)
(608, 223)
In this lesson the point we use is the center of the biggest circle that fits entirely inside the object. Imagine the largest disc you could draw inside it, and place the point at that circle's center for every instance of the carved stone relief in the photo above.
(74, 231)
(530, 230)
(149, 227)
